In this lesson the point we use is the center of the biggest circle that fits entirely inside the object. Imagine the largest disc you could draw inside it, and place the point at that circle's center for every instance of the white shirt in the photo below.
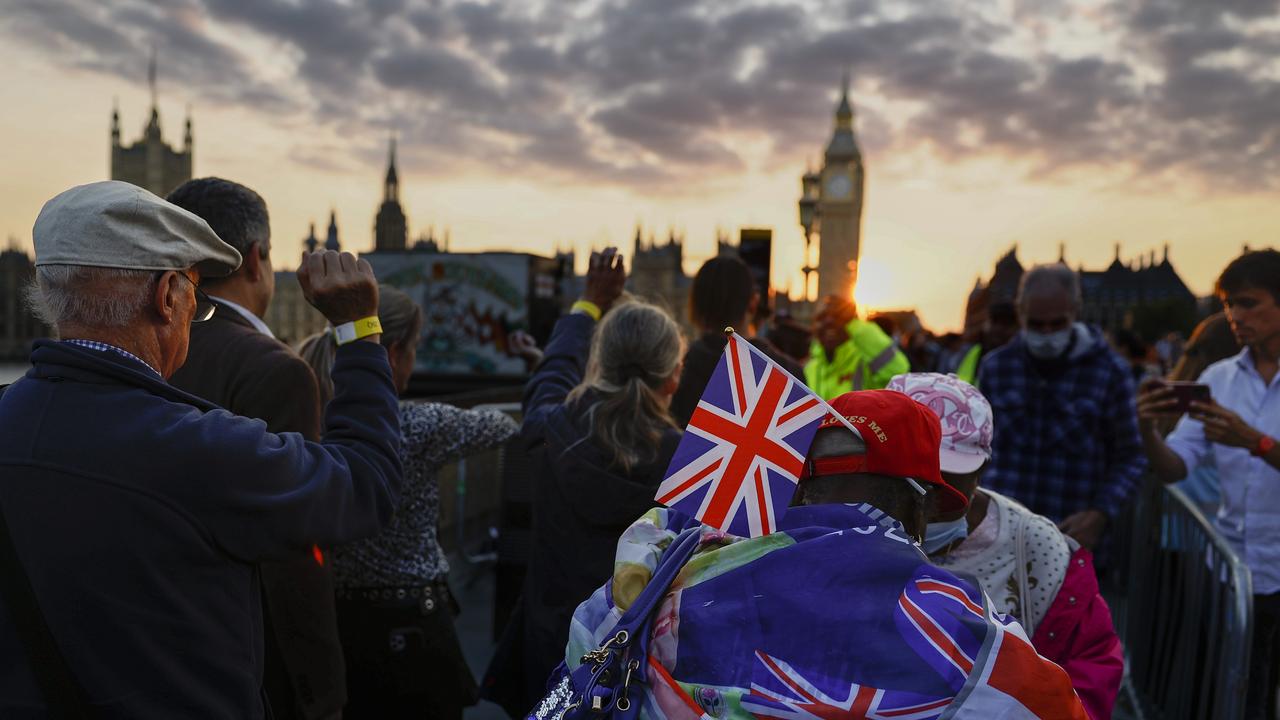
(1249, 517)
(254, 320)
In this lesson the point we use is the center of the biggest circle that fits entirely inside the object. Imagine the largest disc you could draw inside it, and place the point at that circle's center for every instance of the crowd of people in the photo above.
(197, 520)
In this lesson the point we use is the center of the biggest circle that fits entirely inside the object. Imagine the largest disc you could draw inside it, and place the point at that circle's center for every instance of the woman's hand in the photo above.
(1156, 402)
(522, 345)
(606, 276)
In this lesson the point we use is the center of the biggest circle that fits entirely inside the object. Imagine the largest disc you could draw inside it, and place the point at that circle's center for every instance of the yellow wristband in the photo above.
(588, 307)
(353, 331)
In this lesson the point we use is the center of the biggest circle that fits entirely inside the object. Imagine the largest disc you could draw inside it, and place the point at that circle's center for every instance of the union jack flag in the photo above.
(1012, 680)
(786, 694)
(932, 615)
(744, 448)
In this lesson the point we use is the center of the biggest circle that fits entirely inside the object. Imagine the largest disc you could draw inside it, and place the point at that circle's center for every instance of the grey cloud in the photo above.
(667, 140)
(117, 39)
(525, 59)
(654, 92)
(439, 74)
(1221, 119)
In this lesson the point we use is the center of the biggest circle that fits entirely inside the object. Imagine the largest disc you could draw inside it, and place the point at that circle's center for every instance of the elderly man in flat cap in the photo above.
(132, 514)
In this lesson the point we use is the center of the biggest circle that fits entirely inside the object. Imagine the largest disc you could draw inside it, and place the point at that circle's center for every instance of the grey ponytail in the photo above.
(636, 348)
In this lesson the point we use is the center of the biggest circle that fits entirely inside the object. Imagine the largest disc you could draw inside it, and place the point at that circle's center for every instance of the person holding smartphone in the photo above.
(1237, 427)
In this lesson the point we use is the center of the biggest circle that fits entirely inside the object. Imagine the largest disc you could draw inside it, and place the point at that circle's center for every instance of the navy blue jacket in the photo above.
(138, 512)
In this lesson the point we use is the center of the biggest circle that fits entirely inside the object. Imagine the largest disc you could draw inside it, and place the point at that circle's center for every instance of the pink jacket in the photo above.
(1077, 634)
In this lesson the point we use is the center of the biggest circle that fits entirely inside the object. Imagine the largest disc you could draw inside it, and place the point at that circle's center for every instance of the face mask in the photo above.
(1047, 346)
(939, 535)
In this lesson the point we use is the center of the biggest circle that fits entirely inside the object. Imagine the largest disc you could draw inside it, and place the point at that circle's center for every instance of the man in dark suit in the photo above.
(236, 362)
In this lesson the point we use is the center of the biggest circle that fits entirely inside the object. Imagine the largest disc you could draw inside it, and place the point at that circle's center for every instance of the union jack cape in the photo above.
(741, 456)
(836, 615)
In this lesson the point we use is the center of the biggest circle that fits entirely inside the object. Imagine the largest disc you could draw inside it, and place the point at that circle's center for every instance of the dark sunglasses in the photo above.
(204, 305)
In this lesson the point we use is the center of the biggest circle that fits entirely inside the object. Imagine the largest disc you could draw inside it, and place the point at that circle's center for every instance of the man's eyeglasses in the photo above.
(204, 305)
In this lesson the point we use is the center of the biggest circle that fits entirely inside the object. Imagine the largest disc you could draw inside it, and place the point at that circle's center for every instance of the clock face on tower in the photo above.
(838, 186)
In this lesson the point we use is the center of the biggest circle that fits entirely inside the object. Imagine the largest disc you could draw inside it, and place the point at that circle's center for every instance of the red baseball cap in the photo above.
(902, 439)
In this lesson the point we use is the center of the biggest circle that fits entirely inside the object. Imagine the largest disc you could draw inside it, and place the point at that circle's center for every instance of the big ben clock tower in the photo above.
(838, 216)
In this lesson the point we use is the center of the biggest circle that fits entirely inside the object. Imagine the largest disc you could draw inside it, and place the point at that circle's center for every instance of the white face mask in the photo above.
(941, 534)
(1047, 346)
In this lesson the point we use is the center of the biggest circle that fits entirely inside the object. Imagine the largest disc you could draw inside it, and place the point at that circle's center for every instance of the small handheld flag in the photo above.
(744, 449)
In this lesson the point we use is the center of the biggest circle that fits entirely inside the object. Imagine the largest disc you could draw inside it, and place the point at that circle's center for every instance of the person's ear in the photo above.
(753, 305)
(168, 296)
(253, 262)
(671, 384)
(399, 348)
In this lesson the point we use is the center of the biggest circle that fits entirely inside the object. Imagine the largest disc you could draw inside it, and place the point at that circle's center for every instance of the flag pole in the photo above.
(729, 331)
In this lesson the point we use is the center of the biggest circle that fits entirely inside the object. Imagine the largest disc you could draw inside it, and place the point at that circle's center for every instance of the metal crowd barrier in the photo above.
(1184, 611)
(460, 493)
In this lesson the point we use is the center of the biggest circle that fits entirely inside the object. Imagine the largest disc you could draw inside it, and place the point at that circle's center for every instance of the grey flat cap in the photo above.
(113, 224)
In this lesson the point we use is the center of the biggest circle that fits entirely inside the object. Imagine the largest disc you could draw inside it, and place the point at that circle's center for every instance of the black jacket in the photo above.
(233, 365)
(581, 502)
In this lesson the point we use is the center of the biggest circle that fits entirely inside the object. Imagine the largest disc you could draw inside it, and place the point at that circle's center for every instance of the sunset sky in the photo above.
(526, 125)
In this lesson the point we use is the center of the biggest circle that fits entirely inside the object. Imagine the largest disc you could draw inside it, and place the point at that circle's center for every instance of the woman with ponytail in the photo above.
(395, 612)
(599, 436)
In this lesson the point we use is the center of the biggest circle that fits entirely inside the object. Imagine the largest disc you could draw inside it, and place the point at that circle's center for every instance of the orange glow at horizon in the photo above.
(874, 286)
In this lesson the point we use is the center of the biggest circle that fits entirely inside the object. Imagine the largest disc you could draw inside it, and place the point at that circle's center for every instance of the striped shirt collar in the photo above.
(104, 347)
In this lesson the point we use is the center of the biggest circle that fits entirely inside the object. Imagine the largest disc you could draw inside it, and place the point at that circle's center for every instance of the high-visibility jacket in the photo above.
(967, 370)
(868, 360)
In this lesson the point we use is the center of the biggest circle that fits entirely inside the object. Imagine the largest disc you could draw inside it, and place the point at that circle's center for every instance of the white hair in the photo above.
(91, 296)
(1046, 279)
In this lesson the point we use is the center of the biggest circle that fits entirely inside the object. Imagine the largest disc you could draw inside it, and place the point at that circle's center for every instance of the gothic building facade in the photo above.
(832, 206)
(18, 327)
(150, 162)
(331, 241)
(291, 318)
(657, 274)
(390, 228)
(1142, 295)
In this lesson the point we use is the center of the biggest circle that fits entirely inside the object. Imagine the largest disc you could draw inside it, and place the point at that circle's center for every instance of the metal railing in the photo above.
(460, 494)
(1184, 611)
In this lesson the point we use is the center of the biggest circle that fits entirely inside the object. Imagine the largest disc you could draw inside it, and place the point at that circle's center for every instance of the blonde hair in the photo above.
(635, 350)
(400, 316)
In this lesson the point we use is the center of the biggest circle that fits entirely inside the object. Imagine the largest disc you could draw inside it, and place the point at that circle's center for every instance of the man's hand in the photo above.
(1085, 526)
(1223, 426)
(340, 287)
(606, 276)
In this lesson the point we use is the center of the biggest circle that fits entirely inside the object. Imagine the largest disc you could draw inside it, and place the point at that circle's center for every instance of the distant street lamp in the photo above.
(810, 185)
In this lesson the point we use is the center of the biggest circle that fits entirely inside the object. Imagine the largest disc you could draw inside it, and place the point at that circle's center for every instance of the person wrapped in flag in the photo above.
(835, 613)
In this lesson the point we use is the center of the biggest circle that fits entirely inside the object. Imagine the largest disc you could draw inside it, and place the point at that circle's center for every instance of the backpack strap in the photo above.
(64, 697)
(624, 654)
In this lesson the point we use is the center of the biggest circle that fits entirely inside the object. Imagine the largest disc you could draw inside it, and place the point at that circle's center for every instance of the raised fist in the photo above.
(342, 288)
(606, 277)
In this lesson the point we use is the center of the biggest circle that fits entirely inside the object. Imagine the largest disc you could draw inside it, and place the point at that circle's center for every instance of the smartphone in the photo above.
(1188, 392)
